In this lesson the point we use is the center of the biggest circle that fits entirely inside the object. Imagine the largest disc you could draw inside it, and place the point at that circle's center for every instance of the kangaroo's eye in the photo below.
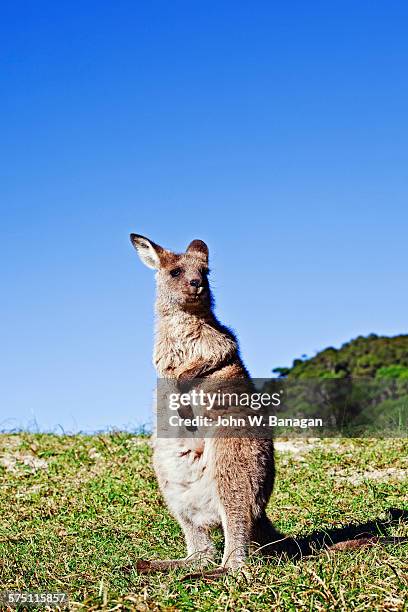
(175, 272)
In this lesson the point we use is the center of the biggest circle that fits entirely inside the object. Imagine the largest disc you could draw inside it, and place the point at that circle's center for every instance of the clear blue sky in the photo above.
(276, 132)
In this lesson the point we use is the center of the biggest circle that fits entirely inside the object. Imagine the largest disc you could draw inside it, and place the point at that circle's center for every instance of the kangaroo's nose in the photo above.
(195, 282)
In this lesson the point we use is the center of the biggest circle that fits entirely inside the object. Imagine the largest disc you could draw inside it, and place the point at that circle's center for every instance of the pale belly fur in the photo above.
(186, 480)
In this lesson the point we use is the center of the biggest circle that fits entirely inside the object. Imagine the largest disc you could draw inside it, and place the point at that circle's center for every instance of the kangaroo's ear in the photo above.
(198, 247)
(149, 252)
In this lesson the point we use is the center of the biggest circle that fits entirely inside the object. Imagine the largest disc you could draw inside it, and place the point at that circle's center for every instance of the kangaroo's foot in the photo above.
(219, 572)
(215, 573)
(146, 567)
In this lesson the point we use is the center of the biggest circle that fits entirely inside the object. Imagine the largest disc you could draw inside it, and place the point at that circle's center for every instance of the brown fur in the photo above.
(191, 343)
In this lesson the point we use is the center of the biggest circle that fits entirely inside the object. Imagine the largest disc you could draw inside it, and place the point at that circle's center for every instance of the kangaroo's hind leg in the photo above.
(244, 478)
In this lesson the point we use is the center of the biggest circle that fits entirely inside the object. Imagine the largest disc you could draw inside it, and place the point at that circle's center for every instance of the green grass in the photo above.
(77, 512)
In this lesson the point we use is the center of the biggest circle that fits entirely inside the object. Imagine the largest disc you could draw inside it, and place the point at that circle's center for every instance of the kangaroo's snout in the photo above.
(195, 282)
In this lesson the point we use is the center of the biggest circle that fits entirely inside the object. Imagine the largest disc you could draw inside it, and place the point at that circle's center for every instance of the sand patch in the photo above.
(17, 462)
(390, 474)
(296, 446)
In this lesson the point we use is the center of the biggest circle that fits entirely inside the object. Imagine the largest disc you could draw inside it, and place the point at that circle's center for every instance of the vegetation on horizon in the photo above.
(361, 387)
(371, 356)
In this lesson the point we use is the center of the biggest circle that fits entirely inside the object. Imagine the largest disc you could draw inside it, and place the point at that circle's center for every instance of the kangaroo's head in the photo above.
(182, 279)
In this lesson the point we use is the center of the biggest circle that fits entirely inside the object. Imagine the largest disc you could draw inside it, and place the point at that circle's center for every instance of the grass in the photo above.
(77, 512)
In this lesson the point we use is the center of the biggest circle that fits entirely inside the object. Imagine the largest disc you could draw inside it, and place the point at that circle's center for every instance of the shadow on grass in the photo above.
(349, 537)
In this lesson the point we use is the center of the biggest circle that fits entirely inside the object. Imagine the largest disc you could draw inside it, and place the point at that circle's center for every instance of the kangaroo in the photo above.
(219, 481)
